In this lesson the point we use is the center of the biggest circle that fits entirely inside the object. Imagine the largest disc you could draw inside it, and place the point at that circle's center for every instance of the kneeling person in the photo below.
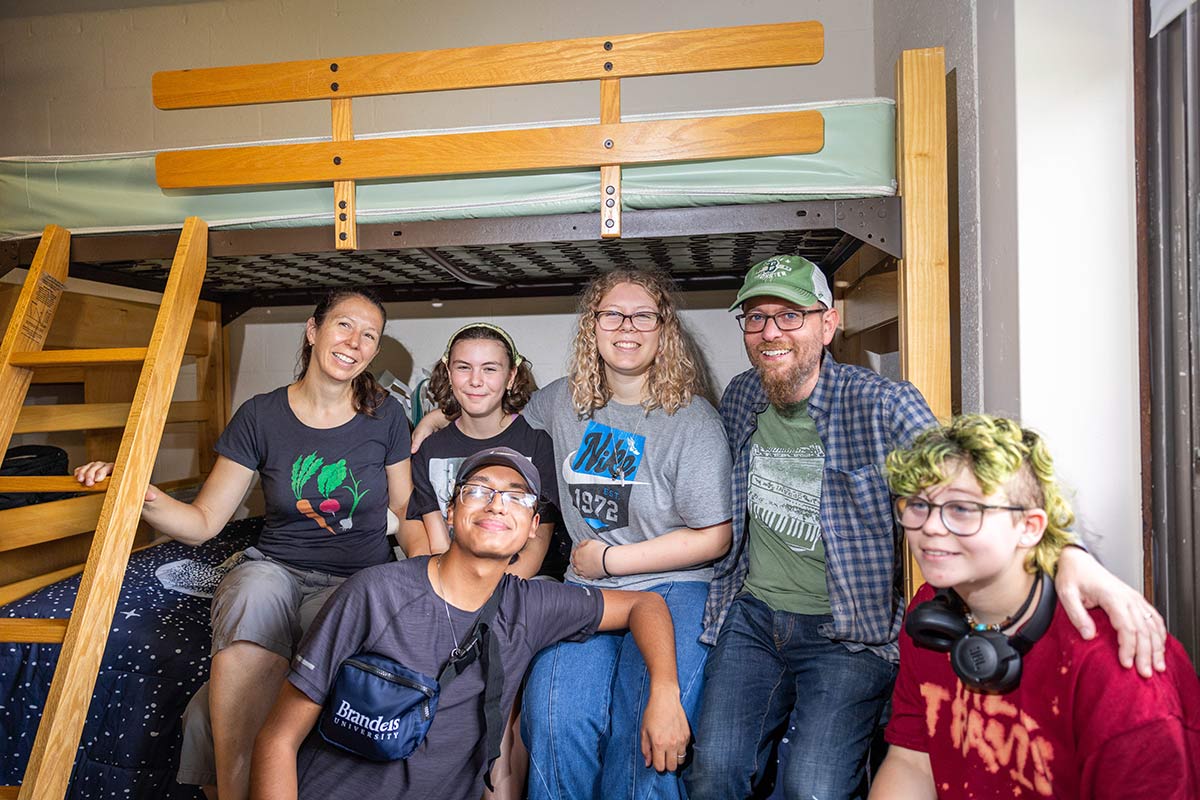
(416, 613)
(998, 695)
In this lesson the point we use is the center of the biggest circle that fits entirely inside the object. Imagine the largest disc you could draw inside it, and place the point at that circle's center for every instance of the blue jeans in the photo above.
(581, 716)
(766, 666)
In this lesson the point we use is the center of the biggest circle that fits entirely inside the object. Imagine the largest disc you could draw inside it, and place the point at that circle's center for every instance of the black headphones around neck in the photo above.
(986, 661)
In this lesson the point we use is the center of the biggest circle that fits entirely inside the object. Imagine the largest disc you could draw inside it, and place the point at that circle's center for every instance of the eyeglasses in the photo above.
(474, 494)
(960, 517)
(792, 320)
(644, 321)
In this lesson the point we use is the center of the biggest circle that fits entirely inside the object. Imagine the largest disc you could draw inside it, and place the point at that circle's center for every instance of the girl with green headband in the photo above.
(481, 384)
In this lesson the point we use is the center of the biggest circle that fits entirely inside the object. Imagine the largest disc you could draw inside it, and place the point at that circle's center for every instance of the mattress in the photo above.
(156, 657)
(117, 192)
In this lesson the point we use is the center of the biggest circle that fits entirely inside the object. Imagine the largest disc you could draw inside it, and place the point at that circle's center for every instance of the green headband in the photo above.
(503, 334)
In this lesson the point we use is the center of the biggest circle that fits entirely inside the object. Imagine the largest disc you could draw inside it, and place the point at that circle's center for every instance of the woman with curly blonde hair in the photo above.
(645, 495)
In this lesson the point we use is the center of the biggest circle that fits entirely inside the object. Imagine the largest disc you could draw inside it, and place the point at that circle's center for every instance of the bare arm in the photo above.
(905, 775)
(430, 424)
(665, 731)
(677, 549)
(1082, 583)
(533, 553)
(191, 523)
(435, 532)
(399, 483)
(273, 767)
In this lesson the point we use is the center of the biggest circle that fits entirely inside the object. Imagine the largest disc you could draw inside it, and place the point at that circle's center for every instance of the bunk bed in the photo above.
(535, 210)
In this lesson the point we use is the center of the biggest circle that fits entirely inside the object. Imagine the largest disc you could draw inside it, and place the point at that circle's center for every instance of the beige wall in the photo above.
(78, 80)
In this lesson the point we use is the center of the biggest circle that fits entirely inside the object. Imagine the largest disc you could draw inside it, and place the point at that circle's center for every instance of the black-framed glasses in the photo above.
(644, 321)
(960, 517)
(478, 495)
(790, 320)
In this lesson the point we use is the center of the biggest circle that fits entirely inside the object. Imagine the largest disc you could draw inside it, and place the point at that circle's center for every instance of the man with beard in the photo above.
(806, 603)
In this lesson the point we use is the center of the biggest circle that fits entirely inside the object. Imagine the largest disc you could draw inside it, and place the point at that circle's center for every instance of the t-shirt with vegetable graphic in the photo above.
(330, 478)
(325, 490)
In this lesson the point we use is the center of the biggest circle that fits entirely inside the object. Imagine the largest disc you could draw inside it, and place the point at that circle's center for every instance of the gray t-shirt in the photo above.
(392, 610)
(628, 477)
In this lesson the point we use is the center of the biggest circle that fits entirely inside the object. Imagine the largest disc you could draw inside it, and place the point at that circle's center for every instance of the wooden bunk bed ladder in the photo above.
(83, 635)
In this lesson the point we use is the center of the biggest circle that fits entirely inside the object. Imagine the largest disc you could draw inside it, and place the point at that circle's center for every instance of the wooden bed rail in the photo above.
(608, 145)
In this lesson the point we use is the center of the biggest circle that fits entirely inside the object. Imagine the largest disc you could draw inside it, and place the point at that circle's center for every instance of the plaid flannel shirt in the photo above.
(860, 417)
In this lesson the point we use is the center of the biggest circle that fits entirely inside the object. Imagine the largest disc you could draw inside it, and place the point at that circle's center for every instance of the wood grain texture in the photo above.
(924, 272)
(345, 225)
(95, 357)
(100, 322)
(211, 384)
(45, 483)
(66, 706)
(15, 591)
(30, 323)
(870, 303)
(628, 55)
(733, 136)
(89, 416)
(610, 175)
(33, 631)
(28, 525)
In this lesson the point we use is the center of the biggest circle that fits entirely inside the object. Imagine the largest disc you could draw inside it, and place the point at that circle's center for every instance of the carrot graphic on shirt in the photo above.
(302, 471)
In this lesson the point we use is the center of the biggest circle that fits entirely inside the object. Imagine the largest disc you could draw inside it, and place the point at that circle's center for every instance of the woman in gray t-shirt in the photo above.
(645, 494)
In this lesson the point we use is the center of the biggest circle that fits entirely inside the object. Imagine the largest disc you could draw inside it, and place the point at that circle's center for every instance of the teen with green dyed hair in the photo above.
(985, 517)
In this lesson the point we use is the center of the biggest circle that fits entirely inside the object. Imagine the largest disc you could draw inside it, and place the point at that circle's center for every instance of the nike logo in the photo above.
(573, 477)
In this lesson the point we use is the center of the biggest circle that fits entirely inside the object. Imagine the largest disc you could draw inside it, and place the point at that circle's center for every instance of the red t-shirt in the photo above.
(1078, 726)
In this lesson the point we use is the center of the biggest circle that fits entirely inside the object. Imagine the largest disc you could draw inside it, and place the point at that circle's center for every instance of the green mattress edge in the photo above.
(115, 194)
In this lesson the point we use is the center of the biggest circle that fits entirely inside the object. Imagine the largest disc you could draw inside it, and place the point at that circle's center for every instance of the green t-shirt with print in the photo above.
(787, 551)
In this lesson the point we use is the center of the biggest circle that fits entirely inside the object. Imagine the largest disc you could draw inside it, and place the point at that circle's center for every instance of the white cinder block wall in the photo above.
(75, 74)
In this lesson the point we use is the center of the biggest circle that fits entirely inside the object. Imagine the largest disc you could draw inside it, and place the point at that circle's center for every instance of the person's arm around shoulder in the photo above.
(1082, 583)
(904, 775)
(273, 767)
(665, 731)
(191, 523)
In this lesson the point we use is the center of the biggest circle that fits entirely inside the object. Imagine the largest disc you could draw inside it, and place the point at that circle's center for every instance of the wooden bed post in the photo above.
(610, 176)
(345, 224)
(924, 280)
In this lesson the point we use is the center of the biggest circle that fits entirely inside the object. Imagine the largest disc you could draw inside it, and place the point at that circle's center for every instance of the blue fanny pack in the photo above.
(381, 710)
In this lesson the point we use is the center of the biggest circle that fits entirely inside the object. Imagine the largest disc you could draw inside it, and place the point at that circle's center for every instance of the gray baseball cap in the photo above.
(501, 457)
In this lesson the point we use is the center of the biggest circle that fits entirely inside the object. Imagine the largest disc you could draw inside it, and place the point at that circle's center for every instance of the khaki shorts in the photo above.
(264, 602)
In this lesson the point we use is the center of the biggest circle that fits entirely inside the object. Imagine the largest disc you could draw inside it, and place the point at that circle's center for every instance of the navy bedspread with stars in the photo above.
(157, 656)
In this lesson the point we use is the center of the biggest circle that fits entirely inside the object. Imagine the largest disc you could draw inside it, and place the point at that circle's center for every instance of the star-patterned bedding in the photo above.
(157, 656)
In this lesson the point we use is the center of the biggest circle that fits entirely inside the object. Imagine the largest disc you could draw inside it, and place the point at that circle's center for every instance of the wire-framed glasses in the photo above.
(960, 517)
(644, 321)
(478, 495)
(790, 320)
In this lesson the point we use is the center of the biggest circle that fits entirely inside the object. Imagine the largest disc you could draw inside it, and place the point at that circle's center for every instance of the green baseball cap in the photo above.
(792, 278)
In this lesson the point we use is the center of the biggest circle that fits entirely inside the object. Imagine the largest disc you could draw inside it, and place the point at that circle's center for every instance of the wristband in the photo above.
(604, 561)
